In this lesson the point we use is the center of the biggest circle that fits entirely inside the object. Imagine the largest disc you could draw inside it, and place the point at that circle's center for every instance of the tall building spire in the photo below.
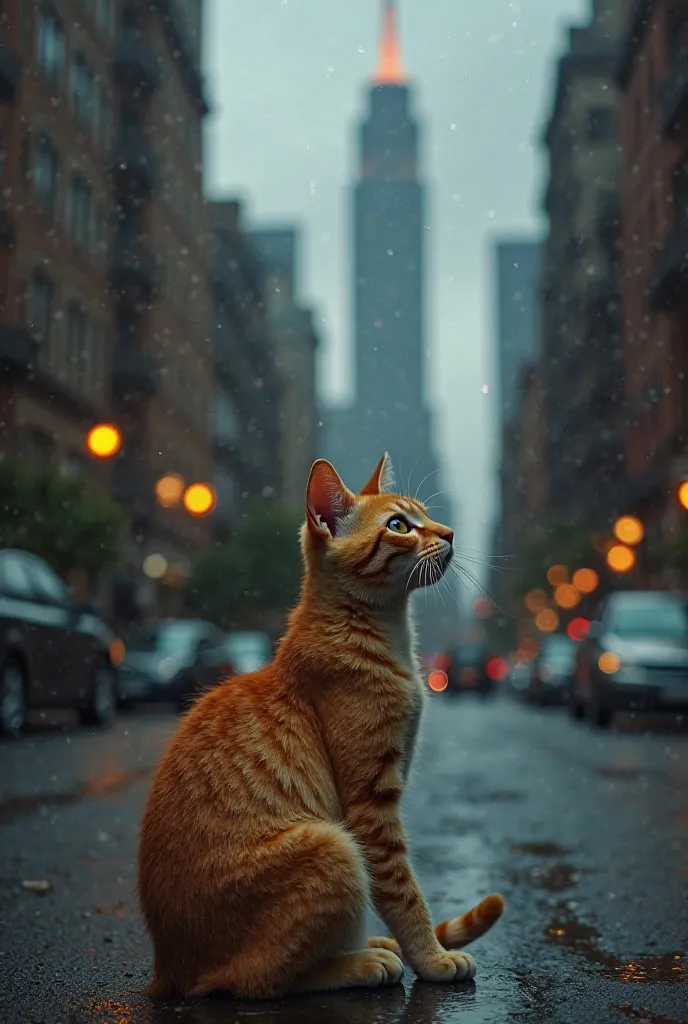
(389, 69)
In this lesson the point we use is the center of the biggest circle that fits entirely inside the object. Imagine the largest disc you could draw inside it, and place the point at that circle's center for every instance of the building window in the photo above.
(80, 211)
(50, 45)
(46, 172)
(83, 92)
(40, 306)
(601, 124)
(77, 345)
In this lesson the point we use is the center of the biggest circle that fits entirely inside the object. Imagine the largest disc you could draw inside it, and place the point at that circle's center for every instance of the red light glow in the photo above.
(578, 629)
(440, 661)
(438, 681)
(497, 669)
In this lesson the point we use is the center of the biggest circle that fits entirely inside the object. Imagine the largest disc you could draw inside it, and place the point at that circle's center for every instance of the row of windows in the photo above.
(89, 101)
(86, 220)
(72, 344)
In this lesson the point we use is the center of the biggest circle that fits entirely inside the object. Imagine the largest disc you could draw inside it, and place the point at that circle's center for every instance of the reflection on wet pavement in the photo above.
(111, 781)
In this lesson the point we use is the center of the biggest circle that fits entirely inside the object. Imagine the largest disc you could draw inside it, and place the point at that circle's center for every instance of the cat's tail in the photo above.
(459, 931)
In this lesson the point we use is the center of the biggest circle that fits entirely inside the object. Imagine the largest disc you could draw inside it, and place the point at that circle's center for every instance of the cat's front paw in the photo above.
(449, 965)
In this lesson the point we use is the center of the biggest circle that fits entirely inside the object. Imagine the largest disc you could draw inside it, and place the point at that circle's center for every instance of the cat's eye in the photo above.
(398, 525)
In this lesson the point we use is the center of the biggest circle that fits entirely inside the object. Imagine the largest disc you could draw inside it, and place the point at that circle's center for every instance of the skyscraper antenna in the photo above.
(389, 68)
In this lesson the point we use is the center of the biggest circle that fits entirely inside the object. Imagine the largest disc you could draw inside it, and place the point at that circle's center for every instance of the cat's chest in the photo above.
(415, 701)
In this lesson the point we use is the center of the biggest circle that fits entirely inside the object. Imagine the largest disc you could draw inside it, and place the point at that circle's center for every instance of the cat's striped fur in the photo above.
(274, 817)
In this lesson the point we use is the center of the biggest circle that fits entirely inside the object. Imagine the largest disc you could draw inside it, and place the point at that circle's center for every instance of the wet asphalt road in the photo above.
(585, 834)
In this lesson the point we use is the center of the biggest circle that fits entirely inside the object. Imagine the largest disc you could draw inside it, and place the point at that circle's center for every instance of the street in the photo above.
(585, 834)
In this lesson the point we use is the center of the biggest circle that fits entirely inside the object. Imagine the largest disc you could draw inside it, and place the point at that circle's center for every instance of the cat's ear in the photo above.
(327, 499)
(382, 480)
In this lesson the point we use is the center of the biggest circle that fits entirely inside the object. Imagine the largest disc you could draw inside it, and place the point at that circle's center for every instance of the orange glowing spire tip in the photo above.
(389, 69)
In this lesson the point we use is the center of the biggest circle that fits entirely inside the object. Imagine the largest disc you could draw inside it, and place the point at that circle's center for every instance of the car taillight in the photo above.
(117, 651)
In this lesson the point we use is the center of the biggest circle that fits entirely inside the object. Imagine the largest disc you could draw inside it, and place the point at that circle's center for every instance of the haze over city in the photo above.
(287, 91)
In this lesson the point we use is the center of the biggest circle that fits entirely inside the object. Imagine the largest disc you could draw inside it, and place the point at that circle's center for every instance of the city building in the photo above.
(653, 77)
(516, 269)
(248, 384)
(390, 349)
(295, 339)
(390, 409)
(580, 317)
(107, 311)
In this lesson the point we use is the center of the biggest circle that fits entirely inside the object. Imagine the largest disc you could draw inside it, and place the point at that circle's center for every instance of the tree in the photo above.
(61, 519)
(256, 573)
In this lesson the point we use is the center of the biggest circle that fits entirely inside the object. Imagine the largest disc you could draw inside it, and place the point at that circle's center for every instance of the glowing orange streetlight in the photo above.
(104, 440)
(535, 600)
(438, 681)
(567, 596)
(547, 620)
(557, 575)
(199, 499)
(169, 490)
(586, 580)
(682, 494)
(620, 558)
(629, 530)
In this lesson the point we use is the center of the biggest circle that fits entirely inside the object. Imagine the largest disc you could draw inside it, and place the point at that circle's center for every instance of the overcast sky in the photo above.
(287, 81)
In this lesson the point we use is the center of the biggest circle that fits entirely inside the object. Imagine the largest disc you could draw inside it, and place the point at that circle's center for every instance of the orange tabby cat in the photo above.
(274, 815)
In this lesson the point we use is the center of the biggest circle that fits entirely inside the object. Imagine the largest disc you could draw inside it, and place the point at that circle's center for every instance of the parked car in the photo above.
(634, 658)
(467, 670)
(248, 650)
(55, 652)
(551, 674)
(173, 660)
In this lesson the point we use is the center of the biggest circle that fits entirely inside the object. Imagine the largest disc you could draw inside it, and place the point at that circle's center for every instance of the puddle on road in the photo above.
(643, 1015)
(551, 877)
(539, 849)
(568, 932)
(109, 782)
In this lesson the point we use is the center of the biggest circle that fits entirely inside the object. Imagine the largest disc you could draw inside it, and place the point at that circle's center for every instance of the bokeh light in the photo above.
(527, 650)
(620, 558)
(609, 663)
(683, 494)
(199, 499)
(438, 681)
(155, 566)
(567, 596)
(578, 629)
(629, 530)
(586, 580)
(483, 608)
(497, 669)
(117, 651)
(535, 600)
(104, 440)
(547, 620)
(557, 575)
(169, 490)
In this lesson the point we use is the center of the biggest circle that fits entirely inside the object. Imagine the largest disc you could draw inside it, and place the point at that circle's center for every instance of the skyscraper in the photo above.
(389, 412)
(516, 279)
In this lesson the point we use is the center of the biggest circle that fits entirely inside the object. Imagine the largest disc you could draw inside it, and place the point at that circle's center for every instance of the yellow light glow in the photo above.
(547, 620)
(104, 440)
(609, 663)
(199, 499)
(535, 600)
(557, 575)
(683, 494)
(620, 558)
(169, 490)
(155, 566)
(586, 580)
(629, 530)
(567, 596)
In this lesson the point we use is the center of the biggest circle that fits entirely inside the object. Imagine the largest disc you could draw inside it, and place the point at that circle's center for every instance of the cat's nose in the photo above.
(448, 535)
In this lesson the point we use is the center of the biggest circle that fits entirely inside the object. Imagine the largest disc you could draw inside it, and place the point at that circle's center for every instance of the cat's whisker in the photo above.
(476, 583)
(426, 477)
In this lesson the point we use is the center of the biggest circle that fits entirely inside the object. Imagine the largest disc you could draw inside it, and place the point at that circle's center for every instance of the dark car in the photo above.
(467, 670)
(552, 671)
(635, 658)
(54, 651)
(173, 660)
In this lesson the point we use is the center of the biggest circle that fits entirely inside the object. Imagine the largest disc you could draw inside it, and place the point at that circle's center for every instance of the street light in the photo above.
(620, 558)
(199, 499)
(682, 494)
(585, 580)
(104, 440)
(557, 575)
(629, 530)
(567, 596)
(169, 490)
(547, 620)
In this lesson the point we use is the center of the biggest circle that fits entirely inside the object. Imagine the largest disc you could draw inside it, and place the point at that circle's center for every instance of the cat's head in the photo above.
(376, 546)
